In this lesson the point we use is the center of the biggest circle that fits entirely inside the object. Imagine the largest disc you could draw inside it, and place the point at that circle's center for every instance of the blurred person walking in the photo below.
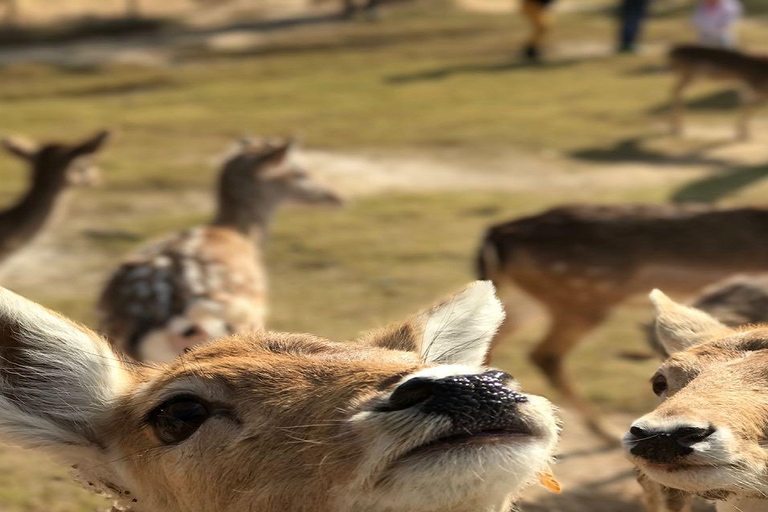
(538, 13)
(716, 20)
(632, 13)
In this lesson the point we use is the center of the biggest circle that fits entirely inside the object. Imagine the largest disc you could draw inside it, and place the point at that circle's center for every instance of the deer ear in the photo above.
(276, 153)
(91, 144)
(19, 148)
(680, 327)
(57, 380)
(458, 330)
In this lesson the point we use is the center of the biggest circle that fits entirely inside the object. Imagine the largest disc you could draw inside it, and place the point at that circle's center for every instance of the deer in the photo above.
(581, 261)
(737, 301)
(708, 434)
(55, 168)
(209, 281)
(403, 418)
(690, 63)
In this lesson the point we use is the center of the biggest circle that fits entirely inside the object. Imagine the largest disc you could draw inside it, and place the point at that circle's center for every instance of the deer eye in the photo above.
(178, 418)
(659, 384)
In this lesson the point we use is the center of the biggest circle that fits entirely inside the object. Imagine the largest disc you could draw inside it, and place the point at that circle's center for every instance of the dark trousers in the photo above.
(632, 14)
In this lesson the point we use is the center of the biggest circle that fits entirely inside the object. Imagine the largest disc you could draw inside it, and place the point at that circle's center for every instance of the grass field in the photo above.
(421, 82)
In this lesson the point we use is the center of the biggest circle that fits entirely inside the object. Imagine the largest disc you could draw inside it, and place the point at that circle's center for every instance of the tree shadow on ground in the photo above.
(720, 101)
(634, 150)
(82, 29)
(470, 69)
(719, 184)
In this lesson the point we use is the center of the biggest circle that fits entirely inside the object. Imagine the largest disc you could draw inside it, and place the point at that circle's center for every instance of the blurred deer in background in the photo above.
(580, 262)
(208, 282)
(407, 418)
(708, 436)
(54, 168)
(750, 72)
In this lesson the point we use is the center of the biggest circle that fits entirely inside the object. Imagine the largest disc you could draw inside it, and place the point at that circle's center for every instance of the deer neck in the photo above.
(20, 223)
(253, 221)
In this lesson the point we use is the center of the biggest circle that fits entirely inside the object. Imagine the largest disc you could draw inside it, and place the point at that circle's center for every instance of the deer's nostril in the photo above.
(409, 394)
(667, 445)
(687, 436)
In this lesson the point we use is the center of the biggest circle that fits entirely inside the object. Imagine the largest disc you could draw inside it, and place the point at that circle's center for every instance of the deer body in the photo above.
(405, 418)
(580, 262)
(53, 171)
(691, 63)
(207, 282)
(708, 435)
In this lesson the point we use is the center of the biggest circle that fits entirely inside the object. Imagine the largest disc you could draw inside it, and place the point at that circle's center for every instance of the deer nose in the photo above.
(663, 446)
(471, 401)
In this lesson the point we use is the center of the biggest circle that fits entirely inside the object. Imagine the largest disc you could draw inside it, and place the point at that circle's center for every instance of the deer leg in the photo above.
(658, 498)
(683, 82)
(567, 329)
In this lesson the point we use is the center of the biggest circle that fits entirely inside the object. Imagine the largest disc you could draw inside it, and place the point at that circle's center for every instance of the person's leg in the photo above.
(632, 14)
(537, 16)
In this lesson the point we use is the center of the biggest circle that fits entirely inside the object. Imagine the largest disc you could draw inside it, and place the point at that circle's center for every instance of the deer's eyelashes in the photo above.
(659, 384)
(176, 419)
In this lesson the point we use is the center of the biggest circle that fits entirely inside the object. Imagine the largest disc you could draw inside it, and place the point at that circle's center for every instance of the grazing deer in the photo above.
(709, 434)
(54, 168)
(207, 282)
(406, 418)
(690, 63)
(580, 262)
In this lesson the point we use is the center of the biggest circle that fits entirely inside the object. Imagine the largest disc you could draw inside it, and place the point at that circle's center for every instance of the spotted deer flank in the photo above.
(209, 281)
(708, 436)
(582, 261)
(55, 168)
(404, 419)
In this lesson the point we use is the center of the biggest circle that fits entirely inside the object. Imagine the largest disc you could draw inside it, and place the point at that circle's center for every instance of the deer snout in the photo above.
(473, 402)
(665, 444)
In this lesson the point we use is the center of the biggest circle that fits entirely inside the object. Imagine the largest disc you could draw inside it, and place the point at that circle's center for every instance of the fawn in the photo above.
(54, 167)
(208, 282)
(708, 435)
(405, 418)
(580, 262)
(690, 63)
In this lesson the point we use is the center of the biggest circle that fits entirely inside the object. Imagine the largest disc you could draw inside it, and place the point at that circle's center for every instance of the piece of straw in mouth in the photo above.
(549, 481)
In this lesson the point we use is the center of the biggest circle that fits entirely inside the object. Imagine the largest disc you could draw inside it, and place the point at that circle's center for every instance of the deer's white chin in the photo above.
(701, 478)
(487, 469)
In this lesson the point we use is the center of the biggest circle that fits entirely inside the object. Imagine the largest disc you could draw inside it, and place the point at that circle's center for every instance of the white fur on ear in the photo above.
(56, 379)
(680, 327)
(460, 330)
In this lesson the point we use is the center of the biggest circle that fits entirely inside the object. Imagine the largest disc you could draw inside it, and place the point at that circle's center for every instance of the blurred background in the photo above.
(423, 115)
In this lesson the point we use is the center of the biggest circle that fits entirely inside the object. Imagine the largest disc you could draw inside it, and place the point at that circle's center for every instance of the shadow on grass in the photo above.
(721, 101)
(634, 150)
(719, 185)
(468, 69)
(83, 28)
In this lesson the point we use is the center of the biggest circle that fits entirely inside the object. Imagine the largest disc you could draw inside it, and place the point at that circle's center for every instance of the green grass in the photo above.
(419, 81)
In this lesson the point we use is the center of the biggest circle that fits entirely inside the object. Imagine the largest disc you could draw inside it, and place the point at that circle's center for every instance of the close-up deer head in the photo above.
(709, 433)
(405, 418)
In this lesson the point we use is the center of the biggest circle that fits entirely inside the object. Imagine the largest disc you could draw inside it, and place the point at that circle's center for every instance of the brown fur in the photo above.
(51, 173)
(295, 423)
(580, 262)
(209, 281)
(719, 378)
(750, 72)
